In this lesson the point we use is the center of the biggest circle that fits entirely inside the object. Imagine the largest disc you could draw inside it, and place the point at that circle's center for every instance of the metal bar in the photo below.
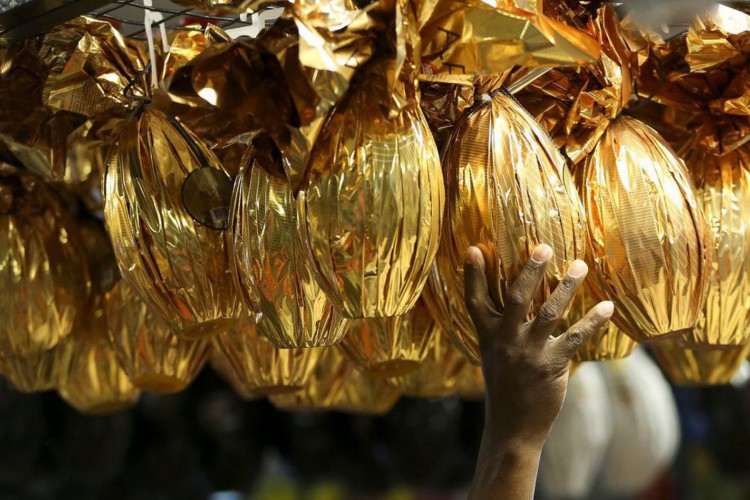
(38, 16)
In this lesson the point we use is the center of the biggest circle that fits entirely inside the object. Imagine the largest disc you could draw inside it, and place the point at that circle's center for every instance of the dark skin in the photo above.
(525, 369)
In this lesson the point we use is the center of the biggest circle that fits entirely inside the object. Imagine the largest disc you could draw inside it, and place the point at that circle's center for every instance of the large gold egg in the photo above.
(372, 206)
(389, 347)
(154, 358)
(722, 187)
(270, 268)
(508, 189)
(251, 363)
(166, 209)
(686, 366)
(650, 241)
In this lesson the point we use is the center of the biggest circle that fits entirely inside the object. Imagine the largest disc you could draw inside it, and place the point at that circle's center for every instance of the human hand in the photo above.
(525, 368)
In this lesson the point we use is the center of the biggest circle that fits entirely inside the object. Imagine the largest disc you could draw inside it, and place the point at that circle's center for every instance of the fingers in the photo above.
(476, 291)
(526, 285)
(552, 311)
(577, 335)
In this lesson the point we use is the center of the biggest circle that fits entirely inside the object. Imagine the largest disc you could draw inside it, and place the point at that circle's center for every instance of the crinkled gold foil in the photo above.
(650, 241)
(257, 366)
(337, 385)
(178, 265)
(470, 384)
(722, 187)
(269, 265)
(438, 374)
(508, 190)
(371, 210)
(43, 268)
(477, 37)
(35, 371)
(93, 381)
(154, 358)
(389, 347)
(685, 366)
(608, 343)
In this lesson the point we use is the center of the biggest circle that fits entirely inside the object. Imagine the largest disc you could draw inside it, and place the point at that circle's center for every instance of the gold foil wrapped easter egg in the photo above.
(35, 371)
(608, 343)
(154, 358)
(438, 374)
(650, 241)
(166, 209)
(257, 366)
(722, 186)
(337, 384)
(269, 268)
(686, 366)
(93, 381)
(43, 269)
(508, 190)
(390, 347)
(371, 209)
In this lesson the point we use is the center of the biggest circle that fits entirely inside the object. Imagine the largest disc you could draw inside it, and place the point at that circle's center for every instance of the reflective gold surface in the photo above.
(470, 383)
(649, 237)
(269, 265)
(685, 366)
(93, 381)
(438, 374)
(176, 264)
(508, 190)
(154, 358)
(43, 269)
(372, 207)
(35, 371)
(722, 187)
(255, 366)
(362, 394)
(608, 343)
(389, 347)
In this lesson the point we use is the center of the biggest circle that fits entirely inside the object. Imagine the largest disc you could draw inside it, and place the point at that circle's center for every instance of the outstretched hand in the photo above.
(525, 368)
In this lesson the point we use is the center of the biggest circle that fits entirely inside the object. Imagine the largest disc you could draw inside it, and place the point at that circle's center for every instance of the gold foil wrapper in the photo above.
(93, 382)
(336, 384)
(371, 210)
(685, 366)
(269, 265)
(475, 37)
(254, 365)
(608, 343)
(43, 267)
(508, 190)
(438, 374)
(722, 186)
(390, 347)
(650, 241)
(470, 384)
(177, 263)
(154, 358)
(35, 371)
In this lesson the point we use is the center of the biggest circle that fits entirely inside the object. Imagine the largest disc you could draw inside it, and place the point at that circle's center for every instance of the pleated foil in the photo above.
(154, 358)
(685, 366)
(43, 268)
(508, 190)
(439, 372)
(35, 371)
(93, 381)
(269, 264)
(608, 343)
(371, 210)
(390, 347)
(256, 367)
(337, 384)
(176, 263)
(650, 241)
(722, 187)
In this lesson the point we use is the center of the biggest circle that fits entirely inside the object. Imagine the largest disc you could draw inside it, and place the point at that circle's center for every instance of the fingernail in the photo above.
(606, 308)
(577, 269)
(474, 255)
(541, 254)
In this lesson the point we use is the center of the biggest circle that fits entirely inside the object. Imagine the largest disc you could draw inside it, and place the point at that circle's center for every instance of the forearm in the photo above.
(506, 468)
